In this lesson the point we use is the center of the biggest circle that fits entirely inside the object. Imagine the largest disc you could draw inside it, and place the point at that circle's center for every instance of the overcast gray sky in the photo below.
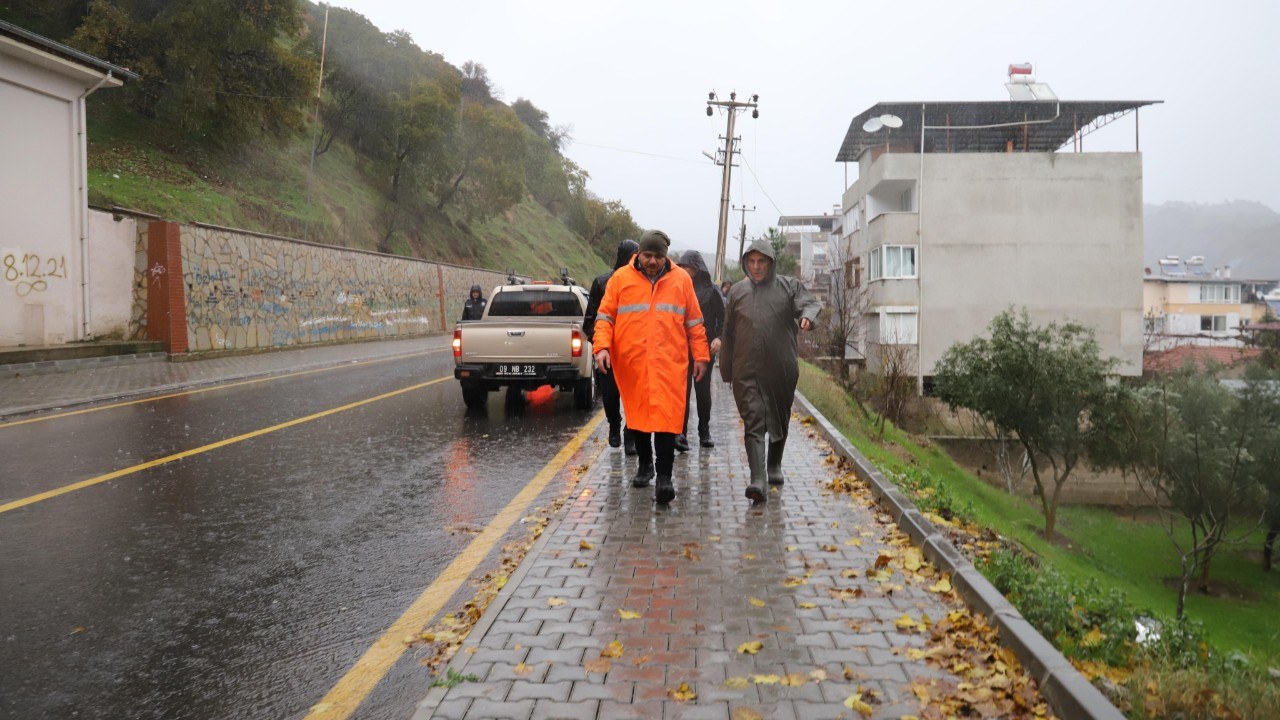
(631, 78)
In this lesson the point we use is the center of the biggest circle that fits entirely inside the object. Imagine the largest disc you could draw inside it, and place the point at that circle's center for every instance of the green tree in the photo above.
(1202, 453)
(219, 71)
(1046, 386)
(486, 165)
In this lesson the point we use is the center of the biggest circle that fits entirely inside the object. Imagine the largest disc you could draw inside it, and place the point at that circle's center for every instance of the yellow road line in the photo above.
(360, 680)
(205, 448)
(221, 387)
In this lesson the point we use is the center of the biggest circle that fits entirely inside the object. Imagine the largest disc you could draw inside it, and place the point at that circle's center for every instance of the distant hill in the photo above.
(1241, 234)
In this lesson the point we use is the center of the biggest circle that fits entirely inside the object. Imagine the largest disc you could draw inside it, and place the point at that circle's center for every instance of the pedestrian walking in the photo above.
(648, 326)
(605, 386)
(764, 315)
(473, 308)
(712, 306)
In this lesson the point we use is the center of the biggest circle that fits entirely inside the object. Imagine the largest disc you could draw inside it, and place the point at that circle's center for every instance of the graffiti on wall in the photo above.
(30, 272)
(245, 291)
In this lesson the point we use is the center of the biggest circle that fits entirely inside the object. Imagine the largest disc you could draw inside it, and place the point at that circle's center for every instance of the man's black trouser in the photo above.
(608, 390)
(664, 443)
(702, 392)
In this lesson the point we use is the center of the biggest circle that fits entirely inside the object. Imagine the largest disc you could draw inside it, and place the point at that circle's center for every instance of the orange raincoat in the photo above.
(649, 328)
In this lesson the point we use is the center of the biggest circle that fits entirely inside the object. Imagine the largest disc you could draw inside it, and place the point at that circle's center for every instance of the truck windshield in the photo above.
(535, 303)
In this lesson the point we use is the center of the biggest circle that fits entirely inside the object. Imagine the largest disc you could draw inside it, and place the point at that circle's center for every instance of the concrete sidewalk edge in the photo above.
(1067, 691)
(427, 706)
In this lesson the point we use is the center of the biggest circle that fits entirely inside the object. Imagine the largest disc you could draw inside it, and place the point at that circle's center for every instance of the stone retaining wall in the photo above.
(244, 290)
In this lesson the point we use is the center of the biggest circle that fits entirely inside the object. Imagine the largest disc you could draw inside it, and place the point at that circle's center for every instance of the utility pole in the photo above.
(742, 238)
(726, 158)
(315, 124)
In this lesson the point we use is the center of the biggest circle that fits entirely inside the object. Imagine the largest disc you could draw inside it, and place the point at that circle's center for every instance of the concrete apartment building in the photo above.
(45, 248)
(1184, 303)
(963, 209)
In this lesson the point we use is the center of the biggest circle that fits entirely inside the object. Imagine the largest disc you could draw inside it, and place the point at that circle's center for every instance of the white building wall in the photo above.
(1058, 233)
(119, 260)
(39, 207)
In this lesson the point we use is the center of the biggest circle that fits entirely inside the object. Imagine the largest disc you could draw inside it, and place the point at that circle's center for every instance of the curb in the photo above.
(1067, 691)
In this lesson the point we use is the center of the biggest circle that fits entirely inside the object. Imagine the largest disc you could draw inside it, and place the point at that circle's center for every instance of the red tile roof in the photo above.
(1174, 359)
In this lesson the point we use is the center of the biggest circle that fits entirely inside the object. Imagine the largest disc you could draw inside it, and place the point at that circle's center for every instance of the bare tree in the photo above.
(844, 329)
(896, 381)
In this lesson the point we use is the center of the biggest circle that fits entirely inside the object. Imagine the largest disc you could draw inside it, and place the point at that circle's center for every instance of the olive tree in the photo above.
(1203, 454)
(1043, 386)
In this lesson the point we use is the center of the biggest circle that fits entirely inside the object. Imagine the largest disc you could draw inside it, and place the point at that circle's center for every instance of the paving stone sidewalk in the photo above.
(706, 575)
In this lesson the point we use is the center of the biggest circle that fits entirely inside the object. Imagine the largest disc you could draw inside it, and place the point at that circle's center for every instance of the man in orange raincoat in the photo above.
(648, 326)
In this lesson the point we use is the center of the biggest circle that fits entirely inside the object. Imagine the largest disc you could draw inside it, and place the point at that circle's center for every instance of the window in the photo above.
(898, 327)
(899, 261)
(534, 303)
(1153, 324)
(850, 223)
(1219, 293)
(904, 201)
(1213, 323)
(892, 261)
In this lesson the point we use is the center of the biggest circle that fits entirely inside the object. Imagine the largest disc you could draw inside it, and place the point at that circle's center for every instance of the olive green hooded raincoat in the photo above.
(759, 347)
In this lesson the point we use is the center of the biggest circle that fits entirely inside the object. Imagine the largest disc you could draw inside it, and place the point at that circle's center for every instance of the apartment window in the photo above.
(873, 264)
(904, 201)
(1153, 324)
(898, 327)
(850, 223)
(1219, 293)
(1213, 323)
(899, 261)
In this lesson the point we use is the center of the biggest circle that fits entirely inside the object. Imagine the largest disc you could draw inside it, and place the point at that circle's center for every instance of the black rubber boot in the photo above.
(644, 474)
(775, 461)
(665, 492)
(682, 443)
(615, 435)
(704, 439)
(758, 490)
(628, 442)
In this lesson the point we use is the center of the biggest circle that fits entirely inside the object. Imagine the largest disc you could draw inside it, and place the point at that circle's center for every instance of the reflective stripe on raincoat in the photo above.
(649, 329)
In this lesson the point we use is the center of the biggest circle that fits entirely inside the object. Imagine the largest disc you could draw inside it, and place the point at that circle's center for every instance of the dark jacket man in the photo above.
(712, 304)
(604, 381)
(760, 358)
(473, 309)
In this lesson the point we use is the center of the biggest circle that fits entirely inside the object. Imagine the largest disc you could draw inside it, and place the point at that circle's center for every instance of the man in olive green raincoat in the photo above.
(764, 314)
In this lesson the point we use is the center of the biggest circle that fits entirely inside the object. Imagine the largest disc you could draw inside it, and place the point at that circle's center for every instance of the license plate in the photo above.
(515, 370)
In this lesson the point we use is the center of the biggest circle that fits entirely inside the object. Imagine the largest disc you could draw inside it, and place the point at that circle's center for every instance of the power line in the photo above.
(637, 152)
(757, 179)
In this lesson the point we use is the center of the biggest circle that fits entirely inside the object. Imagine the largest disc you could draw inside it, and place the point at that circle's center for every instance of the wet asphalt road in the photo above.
(244, 581)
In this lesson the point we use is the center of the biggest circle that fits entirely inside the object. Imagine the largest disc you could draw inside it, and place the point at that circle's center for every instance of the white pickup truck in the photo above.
(529, 336)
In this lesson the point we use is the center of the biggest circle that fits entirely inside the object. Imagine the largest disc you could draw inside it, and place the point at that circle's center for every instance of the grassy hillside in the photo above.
(263, 187)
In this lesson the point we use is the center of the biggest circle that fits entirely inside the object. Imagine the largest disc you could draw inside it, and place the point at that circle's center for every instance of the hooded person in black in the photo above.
(762, 320)
(473, 309)
(712, 305)
(605, 384)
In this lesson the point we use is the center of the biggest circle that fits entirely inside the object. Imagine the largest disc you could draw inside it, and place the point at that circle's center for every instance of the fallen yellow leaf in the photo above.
(906, 623)
(521, 669)
(713, 538)
(793, 582)
(765, 679)
(683, 693)
(942, 586)
(795, 680)
(584, 545)
(736, 683)
(612, 650)
(748, 556)
(808, 605)
(854, 702)
(853, 541)
(1093, 637)
(628, 614)
(745, 713)
(555, 601)
(818, 675)
(850, 573)
(756, 601)
(792, 548)
(751, 648)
